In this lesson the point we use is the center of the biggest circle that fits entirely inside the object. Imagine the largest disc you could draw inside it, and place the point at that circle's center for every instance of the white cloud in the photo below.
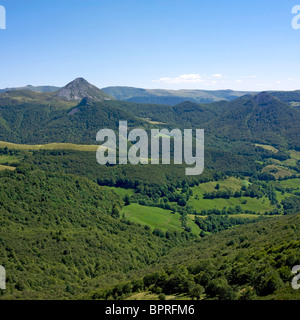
(184, 78)
(249, 77)
(219, 81)
(217, 75)
(192, 78)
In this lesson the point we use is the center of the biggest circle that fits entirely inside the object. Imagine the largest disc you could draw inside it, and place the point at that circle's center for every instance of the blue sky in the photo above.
(172, 44)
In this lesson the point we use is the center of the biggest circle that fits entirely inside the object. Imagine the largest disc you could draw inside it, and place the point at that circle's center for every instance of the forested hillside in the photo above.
(61, 235)
(73, 229)
(249, 262)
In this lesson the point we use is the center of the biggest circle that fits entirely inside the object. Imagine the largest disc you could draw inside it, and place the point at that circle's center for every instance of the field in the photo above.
(121, 191)
(148, 295)
(267, 147)
(50, 146)
(7, 162)
(2, 167)
(252, 204)
(246, 203)
(290, 183)
(295, 154)
(278, 171)
(283, 168)
(156, 218)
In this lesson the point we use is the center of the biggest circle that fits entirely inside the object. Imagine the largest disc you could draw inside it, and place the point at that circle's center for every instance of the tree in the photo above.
(127, 200)
(270, 284)
(247, 294)
(225, 292)
(115, 212)
(162, 297)
(196, 291)
(127, 288)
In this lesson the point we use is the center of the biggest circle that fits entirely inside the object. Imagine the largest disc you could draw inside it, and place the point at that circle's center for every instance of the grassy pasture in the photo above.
(156, 218)
(246, 203)
(267, 147)
(2, 167)
(50, 146)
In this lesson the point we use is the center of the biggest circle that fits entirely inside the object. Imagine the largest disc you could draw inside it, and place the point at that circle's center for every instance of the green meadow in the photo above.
(122, 192)
(267, 147)
(252, 204)
(290, 183)
(246, 203)
(2, 167)
(50, 146)
(156, 218)
(8, 159)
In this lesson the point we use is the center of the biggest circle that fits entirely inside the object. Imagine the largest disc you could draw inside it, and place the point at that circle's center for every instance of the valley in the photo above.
(73, 229)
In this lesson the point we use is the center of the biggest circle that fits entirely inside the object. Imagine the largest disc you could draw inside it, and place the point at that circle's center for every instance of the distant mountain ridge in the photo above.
(172, 97)
(80, 88)
(32, 88)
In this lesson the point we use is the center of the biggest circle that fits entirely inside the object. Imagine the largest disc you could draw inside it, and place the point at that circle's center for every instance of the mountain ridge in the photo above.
(155, 96)
(171, 97)
(32, 88)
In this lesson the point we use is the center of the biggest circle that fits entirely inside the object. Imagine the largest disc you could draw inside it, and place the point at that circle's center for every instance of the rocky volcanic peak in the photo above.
(79, 89)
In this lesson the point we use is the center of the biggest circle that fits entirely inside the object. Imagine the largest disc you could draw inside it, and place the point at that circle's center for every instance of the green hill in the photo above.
(261, 118)
(34, 123)
(249, 262)
(61, 236)
(290, 97)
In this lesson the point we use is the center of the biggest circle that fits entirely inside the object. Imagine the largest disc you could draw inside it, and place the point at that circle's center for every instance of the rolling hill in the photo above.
(33, 88)
(249, 262)
(171, 97)
(261, 118)
(34, 123)
(61, 232)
